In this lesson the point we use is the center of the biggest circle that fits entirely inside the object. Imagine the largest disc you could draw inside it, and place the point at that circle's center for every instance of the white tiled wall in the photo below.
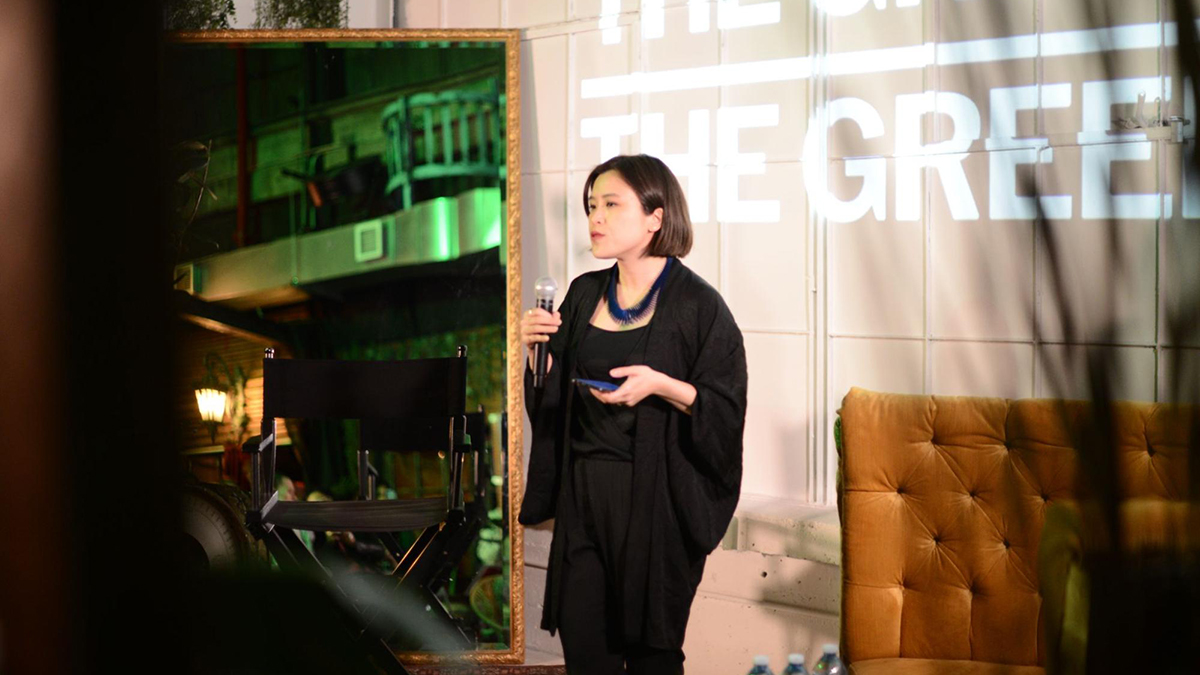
(369, 14)
(544, 105)
(472, 13)
(1063, 371)
(1003, 369)
(969, 261)
(777, 422)
(1097, 289)
(526, 13)
(938, 284)
(766, 278)
(876, 281)
(544, 230)
(420, 14)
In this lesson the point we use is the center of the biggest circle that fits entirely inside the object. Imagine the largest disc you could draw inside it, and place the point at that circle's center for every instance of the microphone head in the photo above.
(545, 288)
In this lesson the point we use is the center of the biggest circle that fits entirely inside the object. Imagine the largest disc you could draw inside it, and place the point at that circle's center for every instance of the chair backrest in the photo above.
(413, 389)
(942, 502)
(416, 434)
(410, 435)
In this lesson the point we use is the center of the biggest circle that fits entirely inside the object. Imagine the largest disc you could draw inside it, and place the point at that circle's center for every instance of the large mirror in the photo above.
(352, 195)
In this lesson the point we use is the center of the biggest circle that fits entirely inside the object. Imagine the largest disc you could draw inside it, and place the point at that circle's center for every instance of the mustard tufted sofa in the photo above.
(942, 502)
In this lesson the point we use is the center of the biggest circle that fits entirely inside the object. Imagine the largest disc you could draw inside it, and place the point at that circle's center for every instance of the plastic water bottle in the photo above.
(795, 665)
(761, 666)
(829, 664)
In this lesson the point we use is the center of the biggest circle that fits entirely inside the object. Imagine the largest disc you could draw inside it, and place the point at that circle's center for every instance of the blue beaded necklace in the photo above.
(633, 314)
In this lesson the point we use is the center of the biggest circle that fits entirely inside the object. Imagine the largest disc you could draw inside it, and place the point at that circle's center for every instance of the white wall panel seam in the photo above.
(722, 228)
(1161, 168)
(822, 455)
(772, 331)
(1019, 341)
(569, 145)
(1038, 373)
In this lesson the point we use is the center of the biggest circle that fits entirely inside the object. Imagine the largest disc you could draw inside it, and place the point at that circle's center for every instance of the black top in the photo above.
(600, 430)
(687, 469)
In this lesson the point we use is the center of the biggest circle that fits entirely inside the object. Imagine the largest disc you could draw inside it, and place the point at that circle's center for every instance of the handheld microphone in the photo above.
(543, 292)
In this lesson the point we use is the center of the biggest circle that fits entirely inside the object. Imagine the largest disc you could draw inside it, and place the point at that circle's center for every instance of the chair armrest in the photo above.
(253, 445)
(263, 467)
(462, 442)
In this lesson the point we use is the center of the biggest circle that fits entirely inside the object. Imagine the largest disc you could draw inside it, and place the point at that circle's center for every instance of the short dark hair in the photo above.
(656, 187)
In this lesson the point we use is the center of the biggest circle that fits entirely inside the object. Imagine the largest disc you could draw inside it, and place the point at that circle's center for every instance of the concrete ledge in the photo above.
(534, 657)
(536, 639)
(785, 527)
(724, 634)
(767, 525)
(537, 544)
(773, 579)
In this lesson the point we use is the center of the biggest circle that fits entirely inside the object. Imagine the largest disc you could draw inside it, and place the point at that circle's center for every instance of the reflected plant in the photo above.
(198, 14)
(1132, 601)
(239, 419)
(189, 162)
(292, 14)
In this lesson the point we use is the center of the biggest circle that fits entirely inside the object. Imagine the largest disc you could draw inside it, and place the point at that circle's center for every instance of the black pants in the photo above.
(590, 614)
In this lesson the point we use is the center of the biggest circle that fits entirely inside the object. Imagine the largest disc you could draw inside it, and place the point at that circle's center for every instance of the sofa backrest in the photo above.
(942, 501)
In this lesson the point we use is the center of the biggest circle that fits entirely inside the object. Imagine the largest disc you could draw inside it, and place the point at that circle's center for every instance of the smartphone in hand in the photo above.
(598, 385)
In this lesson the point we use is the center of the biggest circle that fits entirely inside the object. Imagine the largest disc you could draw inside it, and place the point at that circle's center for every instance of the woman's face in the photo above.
(618, 227)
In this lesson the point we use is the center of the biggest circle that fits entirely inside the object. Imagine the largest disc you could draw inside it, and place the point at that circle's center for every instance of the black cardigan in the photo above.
(687, 469)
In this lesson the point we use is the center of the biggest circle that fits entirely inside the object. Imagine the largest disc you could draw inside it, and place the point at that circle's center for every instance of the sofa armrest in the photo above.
(1063, 584)
(1147, 527)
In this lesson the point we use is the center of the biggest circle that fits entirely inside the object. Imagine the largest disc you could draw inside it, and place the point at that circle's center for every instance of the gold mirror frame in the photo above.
(515, 384)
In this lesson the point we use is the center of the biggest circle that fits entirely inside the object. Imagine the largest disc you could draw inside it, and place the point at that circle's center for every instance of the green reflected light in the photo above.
(494, 233)
(442, 224)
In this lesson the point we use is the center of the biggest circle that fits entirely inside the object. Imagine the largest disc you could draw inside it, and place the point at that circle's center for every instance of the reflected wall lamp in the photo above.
(211, 393)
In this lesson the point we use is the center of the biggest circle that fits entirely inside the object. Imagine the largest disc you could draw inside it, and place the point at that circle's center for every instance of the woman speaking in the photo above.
(641, 479)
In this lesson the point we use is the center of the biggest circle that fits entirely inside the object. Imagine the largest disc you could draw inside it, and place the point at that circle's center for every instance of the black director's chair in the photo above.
(402, 404)
(427, 564)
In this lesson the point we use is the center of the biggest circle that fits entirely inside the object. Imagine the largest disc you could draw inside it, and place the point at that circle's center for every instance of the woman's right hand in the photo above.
(536, 326)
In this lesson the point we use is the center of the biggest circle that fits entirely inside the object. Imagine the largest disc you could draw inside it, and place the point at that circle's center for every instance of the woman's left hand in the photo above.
(640, 382)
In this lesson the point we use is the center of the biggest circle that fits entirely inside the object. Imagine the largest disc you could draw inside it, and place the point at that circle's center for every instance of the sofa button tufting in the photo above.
(1006, 544)
(900, 490)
